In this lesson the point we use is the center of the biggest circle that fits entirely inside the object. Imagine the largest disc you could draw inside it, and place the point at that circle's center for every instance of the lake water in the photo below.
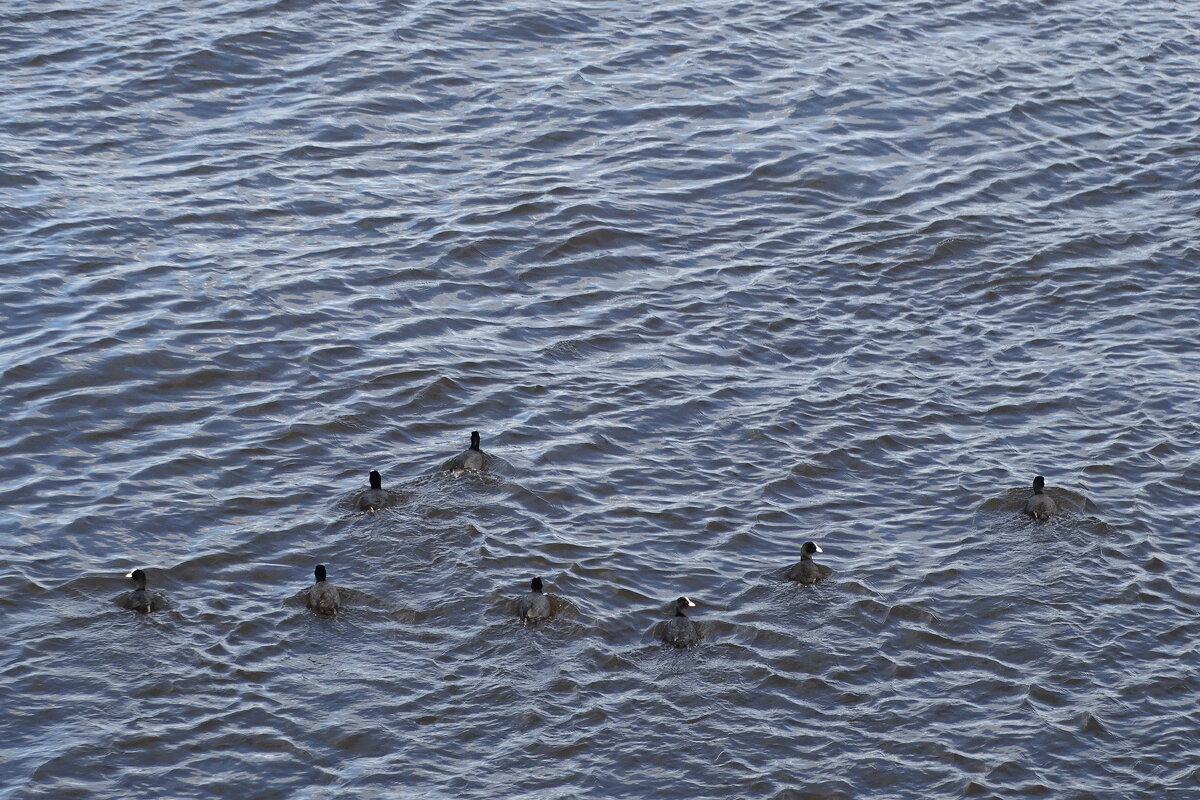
(712, 279)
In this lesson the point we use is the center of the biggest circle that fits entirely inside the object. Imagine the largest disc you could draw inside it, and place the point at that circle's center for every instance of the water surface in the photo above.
(712, 279)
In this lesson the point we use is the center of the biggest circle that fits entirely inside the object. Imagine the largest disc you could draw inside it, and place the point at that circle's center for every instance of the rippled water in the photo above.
(712, 279)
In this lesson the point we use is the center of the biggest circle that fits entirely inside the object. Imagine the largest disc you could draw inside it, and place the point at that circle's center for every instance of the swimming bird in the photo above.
(374, 498)
(139, 599)
(535, 605)
(323, 596)
(1040, 506)
(806, 571)
(471, 458)
(679, 630)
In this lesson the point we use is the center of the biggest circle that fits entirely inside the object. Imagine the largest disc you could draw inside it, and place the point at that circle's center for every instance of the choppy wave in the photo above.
(713, 279)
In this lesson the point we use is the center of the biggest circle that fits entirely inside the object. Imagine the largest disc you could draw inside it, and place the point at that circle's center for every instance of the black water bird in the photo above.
(535, 605)
(374, 498)
(807, 570)
(679, 630)
(139, 599)
(471, 458)
(1041, 505)
(323, 597)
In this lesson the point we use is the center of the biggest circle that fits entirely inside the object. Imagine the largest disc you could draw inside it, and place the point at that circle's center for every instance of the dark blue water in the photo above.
(712, 279)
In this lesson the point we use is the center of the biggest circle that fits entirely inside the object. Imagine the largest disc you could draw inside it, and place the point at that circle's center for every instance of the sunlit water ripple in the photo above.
(712, 279)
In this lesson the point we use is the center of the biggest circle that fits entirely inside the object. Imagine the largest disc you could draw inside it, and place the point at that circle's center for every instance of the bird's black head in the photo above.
(139, 578)
(536, 585)
(808, 548)
(1039, 483)
(320, 572)
(474, 440)
(376, 480)
(681, 604)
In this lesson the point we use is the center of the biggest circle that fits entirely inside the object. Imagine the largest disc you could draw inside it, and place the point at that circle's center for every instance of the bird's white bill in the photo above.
(690, 603)
(819, 550)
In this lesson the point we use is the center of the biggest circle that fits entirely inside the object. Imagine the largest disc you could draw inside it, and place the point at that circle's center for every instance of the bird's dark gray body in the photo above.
(680, 632)
(371, 500)
(535, 606)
